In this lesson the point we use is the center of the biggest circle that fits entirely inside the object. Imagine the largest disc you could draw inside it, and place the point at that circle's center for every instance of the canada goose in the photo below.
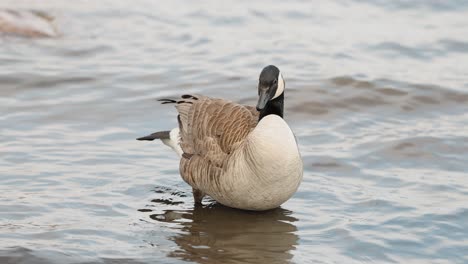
(242, 157)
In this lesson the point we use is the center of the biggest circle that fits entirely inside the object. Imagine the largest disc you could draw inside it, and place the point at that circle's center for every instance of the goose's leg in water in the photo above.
(198, 196)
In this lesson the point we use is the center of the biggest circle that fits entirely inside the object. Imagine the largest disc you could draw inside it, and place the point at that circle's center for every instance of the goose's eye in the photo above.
(275, 81)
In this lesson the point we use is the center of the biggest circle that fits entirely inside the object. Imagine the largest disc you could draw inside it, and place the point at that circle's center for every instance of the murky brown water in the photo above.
(377, 94)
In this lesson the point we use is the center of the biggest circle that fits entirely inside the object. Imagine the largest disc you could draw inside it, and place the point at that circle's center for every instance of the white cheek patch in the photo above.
(280, 88)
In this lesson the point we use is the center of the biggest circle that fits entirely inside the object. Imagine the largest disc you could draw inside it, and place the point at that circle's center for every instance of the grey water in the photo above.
(376, 93)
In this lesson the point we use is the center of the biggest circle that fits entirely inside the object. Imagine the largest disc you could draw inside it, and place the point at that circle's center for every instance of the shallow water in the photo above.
(377, 94)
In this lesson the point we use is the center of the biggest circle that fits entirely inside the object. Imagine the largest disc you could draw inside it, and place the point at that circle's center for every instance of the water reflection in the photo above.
(218, 234)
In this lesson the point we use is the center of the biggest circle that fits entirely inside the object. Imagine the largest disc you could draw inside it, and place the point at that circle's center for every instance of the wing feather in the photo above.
(210, 129)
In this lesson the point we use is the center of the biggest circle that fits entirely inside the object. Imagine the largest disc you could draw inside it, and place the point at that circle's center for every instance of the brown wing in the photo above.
(210, 130)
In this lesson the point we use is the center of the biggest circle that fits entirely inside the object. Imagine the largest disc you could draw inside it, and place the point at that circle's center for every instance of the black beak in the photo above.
(263, 98)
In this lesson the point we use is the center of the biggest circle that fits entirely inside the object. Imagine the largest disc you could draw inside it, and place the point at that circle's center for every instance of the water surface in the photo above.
(377, 94)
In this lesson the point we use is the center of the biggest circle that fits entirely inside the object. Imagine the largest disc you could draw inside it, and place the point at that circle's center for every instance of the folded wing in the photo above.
(210, 130)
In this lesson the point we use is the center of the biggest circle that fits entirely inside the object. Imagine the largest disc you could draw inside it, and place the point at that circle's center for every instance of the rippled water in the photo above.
(377, 94)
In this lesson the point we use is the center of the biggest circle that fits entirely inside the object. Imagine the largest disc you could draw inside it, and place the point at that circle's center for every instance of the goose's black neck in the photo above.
(273, 107)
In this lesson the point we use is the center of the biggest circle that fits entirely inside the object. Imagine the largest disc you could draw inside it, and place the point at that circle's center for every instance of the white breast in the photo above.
(267, 171)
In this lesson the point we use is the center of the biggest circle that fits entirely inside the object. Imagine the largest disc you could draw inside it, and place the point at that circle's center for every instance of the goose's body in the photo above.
(240, 157)
(263, 172)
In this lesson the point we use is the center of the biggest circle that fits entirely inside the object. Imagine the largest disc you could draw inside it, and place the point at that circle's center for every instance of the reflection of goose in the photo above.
(240, 157)
(27, 23)
(217, 234)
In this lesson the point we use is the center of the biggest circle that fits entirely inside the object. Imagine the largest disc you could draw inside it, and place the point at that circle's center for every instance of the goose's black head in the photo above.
(270, 92)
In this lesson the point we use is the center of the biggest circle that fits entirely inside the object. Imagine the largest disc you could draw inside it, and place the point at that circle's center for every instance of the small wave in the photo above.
(439, 6)
(426, 52)
(344, 94)
(424, 152)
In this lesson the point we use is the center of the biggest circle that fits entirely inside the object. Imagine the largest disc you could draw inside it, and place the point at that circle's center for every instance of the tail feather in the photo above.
(167, 101)
(172, 138)
(157, 135)
(169, 138)
(178, 101)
